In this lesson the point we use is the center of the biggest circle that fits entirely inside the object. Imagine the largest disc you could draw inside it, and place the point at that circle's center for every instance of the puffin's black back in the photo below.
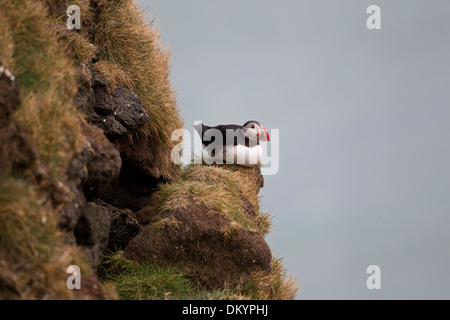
(223, 130)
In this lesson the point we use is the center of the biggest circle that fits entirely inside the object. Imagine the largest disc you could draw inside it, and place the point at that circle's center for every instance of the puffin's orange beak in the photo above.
(266, 135)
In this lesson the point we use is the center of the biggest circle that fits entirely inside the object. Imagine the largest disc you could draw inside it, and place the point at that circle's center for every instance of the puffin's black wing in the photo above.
(223, 129)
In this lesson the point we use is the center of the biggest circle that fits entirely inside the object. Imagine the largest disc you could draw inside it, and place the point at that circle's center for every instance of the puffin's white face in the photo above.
(255, 130)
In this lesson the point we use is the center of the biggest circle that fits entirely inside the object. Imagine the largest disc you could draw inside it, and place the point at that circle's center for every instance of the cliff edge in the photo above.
(86, 178)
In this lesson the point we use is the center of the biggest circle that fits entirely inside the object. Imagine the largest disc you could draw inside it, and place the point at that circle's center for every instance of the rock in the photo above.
(84, 99)
(69, 193)
(118, 197)
(146, 214)
(108, 124)
(103, 164)
(15, 153)
(129, 111)
(91, 289)
(69, 216)
(91, 232)
(9, 94)
(211, 248)
(140, 152)
(88, 175)
(116, 113)
(132, 189)
(123, 227)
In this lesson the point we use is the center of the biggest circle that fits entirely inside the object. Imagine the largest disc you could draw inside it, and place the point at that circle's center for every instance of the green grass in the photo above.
(218, 188)
(149, 281)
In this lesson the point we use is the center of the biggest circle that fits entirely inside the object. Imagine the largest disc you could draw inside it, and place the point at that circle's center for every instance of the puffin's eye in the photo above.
(253, 126)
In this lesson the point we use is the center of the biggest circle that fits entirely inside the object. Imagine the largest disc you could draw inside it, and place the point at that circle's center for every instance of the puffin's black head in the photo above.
(254, 129)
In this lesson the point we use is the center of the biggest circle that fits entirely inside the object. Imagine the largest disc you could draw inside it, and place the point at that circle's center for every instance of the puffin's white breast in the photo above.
(243, 155)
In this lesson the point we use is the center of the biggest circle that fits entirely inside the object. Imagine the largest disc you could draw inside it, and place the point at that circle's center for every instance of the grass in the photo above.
(46, 81)
(33, 253)
(276, 285)
(149, 281)
(223, 191)
(220, 189)
(30, 245)
(133, 56)
(43, 55)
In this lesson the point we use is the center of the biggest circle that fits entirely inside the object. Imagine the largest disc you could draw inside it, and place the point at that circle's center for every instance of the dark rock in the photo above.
(77, 172)
(97, 55)
(88, 175)
(117, 113)
(104, 101)
(15, 153)
(9, 94)
(69, 216)
(84, 99)
(138, 150)
(92, 230)
(91, 289)
(100, 80)
(108, 124)
(122, 198)
(103, 164)
(146, 214)
(211, 248)
(129, 110)
(135, 180)
(123, 227)
(132, 189)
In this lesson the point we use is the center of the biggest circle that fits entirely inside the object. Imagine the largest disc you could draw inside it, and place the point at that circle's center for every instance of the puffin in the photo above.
(244, 149)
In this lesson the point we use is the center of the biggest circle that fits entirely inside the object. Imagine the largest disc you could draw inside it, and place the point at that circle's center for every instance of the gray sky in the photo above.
(364, 119)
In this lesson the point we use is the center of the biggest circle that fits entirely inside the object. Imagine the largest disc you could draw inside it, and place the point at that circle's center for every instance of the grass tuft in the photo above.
(276, 285)
(46, 80)
(133, 56)
(32, 250)
(220, 190)
(149, 281)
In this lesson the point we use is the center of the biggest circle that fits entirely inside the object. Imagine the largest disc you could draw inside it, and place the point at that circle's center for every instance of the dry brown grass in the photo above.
(276, 285)
(35, 45)
(220, 189)
(46, 81)
(133, 56)
(34, 257)
(33, 254)
(223, 191)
